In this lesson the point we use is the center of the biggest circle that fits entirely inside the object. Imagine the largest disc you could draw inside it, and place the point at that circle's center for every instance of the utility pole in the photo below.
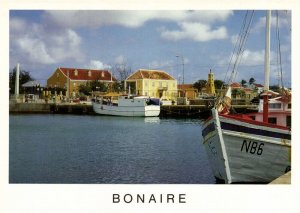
(17, 81)
(68, 85)
(182, 67)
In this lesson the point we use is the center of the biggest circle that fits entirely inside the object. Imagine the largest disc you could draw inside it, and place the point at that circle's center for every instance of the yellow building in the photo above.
(154, 83)
(71, 78)
(210, 87)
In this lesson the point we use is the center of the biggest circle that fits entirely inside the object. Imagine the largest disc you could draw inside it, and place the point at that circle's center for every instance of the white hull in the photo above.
(241, 151)
(130, 111)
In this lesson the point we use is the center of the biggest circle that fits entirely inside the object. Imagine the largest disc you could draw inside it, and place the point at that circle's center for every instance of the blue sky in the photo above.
(41, 41)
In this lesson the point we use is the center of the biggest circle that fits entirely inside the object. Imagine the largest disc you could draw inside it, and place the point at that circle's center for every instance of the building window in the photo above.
(76, 72)
(289, 121)
(146, 83)
(102, 74)
(272, 120)
(289, 106)
(57, 75)
(153, 84)
(90, 73)
(275, 106)
(160, 84)
(74, 84)
(146, 94)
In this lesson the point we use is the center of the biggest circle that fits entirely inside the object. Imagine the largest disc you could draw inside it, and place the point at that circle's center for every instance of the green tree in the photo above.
(218, 84)
(93, 86)
(24, 77)
(85, 89)
(243, 83)
(200, 84)
(251, 81)
(275, 88)
(238, 93)
(98, 86)
(118, 86)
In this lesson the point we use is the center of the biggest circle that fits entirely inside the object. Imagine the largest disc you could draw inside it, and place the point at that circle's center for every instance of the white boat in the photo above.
(244, 149)
(124, 105)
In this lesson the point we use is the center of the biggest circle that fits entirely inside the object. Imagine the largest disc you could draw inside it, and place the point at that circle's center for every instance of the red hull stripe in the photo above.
(258, 123)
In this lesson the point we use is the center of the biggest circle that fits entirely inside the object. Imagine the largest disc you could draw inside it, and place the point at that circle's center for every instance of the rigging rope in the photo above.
(239, 47)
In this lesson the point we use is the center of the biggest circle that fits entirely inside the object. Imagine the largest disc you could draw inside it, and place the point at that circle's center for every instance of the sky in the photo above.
(184, 43)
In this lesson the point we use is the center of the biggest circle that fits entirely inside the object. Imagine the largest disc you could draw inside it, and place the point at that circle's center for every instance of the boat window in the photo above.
(289, 121)
(274, 105)
(272, 120)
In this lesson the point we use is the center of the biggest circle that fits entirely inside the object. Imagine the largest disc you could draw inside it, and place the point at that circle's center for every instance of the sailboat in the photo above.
(249, 149)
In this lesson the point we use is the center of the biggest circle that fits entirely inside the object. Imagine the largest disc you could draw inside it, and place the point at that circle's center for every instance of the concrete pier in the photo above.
(177, 111)
(284, 179)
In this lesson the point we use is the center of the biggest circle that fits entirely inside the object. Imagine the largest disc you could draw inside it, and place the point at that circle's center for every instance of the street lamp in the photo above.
(177, 56)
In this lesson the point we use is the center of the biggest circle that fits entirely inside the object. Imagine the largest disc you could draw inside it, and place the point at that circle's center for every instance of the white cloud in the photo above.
(17, 26)
(249, 58)
(96, 64)
(161, 64)
(195, 31)
(129, 18)
(193, 25)
(35, 49)
(36, 44)
(234, 38)
(284, 18)
(120, 59)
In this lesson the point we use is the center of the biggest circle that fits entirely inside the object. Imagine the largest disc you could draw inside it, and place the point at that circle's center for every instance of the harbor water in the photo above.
(53, 148)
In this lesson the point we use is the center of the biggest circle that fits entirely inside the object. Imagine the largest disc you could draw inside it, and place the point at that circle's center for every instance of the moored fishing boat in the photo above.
(127, 105)
(248, 148)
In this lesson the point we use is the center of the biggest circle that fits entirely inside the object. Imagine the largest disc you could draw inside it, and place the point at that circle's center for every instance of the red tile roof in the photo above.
(186, 87)
(258, 85)
(83, 74)
(235, 85)
(150, 74)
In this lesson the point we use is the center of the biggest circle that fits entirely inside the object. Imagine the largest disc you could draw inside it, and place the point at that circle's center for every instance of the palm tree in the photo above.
(243, 82)
(251, 81)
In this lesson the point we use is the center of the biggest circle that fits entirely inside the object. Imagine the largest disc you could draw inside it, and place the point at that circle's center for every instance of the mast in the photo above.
(267, 67)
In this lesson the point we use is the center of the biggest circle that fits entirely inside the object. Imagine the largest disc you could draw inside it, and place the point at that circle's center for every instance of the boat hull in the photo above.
(244, 152)
(129, 111)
